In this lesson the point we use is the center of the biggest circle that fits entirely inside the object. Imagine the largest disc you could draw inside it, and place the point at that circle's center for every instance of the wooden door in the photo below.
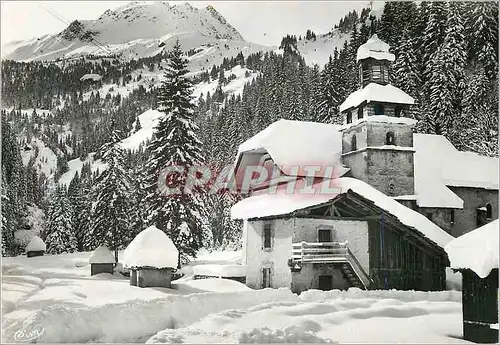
(325, 282)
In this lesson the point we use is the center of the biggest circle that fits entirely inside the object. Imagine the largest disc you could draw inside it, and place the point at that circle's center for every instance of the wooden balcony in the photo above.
(333, 253)
(321, 252)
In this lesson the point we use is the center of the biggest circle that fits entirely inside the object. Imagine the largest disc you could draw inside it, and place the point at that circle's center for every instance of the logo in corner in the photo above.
(24, 335)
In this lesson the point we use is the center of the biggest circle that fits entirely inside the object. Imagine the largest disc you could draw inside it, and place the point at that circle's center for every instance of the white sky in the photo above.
(263, 22)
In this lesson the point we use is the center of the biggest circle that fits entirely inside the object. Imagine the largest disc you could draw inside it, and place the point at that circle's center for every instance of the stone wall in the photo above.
(389, 171)
(377, 131)
(465, 219)
(308, 277)
(151, 277)
(101, 268)
(294, 230)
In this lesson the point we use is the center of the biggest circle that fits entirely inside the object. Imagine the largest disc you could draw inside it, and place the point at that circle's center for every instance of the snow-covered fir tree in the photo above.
(175, 143)
(59, 232)
(113, 209)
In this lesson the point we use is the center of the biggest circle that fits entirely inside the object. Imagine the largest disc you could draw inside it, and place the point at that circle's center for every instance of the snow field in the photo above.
(56, 294)
(368, 316)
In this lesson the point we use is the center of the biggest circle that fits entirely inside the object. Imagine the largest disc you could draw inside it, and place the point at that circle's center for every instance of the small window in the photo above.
(266, 278)
(397, 112)
(324, 235)
(488, 211)
(267, 236)
(360, 112)
(389, 138)
(349, 117)
(325, 282)
(391, 189)
(452, 216)
(379, 109)
(353, 143)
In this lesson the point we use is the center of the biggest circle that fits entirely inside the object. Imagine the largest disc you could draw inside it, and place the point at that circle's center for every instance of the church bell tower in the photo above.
(377, 139)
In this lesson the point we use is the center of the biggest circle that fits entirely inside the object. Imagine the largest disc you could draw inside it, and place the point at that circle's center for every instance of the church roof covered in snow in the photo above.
(379, 93)
(102, 255)
(265, 205)
(376, 49)
(438, 165)
(300, 143)
(36, 244)
(476, 250)
(151, 248)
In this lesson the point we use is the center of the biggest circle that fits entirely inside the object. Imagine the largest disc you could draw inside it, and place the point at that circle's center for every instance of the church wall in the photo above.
(357, 162)
(361, 138)
(376, 134)
(391, 171)
(465, 219)
(442, 217)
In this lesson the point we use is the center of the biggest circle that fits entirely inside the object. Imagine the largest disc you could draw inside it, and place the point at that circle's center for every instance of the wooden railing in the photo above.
(321, 252)
(329, 252)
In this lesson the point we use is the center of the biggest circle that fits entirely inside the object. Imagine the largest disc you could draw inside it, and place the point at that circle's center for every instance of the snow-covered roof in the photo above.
(151, 248)
(476, 250)
(102, 255)
(36, 244)
(291, 142)
(438, 164)
(379, 93)
(265, 205)
(375, 48)
(94, 77)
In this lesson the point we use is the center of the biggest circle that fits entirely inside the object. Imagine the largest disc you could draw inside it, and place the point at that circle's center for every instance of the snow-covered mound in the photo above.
(102, 255)
(139, 29)
(151, 248)
(91, 76)
(36, 244)
(476, 250)
(220, 270)
(215, 285)
(352, 316)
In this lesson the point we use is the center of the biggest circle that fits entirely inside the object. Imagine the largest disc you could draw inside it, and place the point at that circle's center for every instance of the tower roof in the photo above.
(379, 93)
(376, 49)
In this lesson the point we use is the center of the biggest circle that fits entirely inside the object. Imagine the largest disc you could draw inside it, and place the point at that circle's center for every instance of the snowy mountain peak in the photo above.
(136, 29)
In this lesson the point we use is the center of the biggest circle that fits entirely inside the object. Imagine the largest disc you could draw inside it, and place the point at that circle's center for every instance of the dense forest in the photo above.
(446, 58)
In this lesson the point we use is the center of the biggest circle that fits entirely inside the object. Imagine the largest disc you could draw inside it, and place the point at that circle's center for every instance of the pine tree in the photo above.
(60, 237)
(112, 212)
(175, 144)
(483, 35)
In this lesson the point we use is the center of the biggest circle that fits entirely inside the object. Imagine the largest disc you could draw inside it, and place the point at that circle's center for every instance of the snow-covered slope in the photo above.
(140, 29)
(76, 165)
(45, 159)
(318, 51)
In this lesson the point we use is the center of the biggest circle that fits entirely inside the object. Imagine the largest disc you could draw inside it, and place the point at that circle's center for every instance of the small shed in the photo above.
(151, 258)
(475, 255)
(36, 247)
(101, 261)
